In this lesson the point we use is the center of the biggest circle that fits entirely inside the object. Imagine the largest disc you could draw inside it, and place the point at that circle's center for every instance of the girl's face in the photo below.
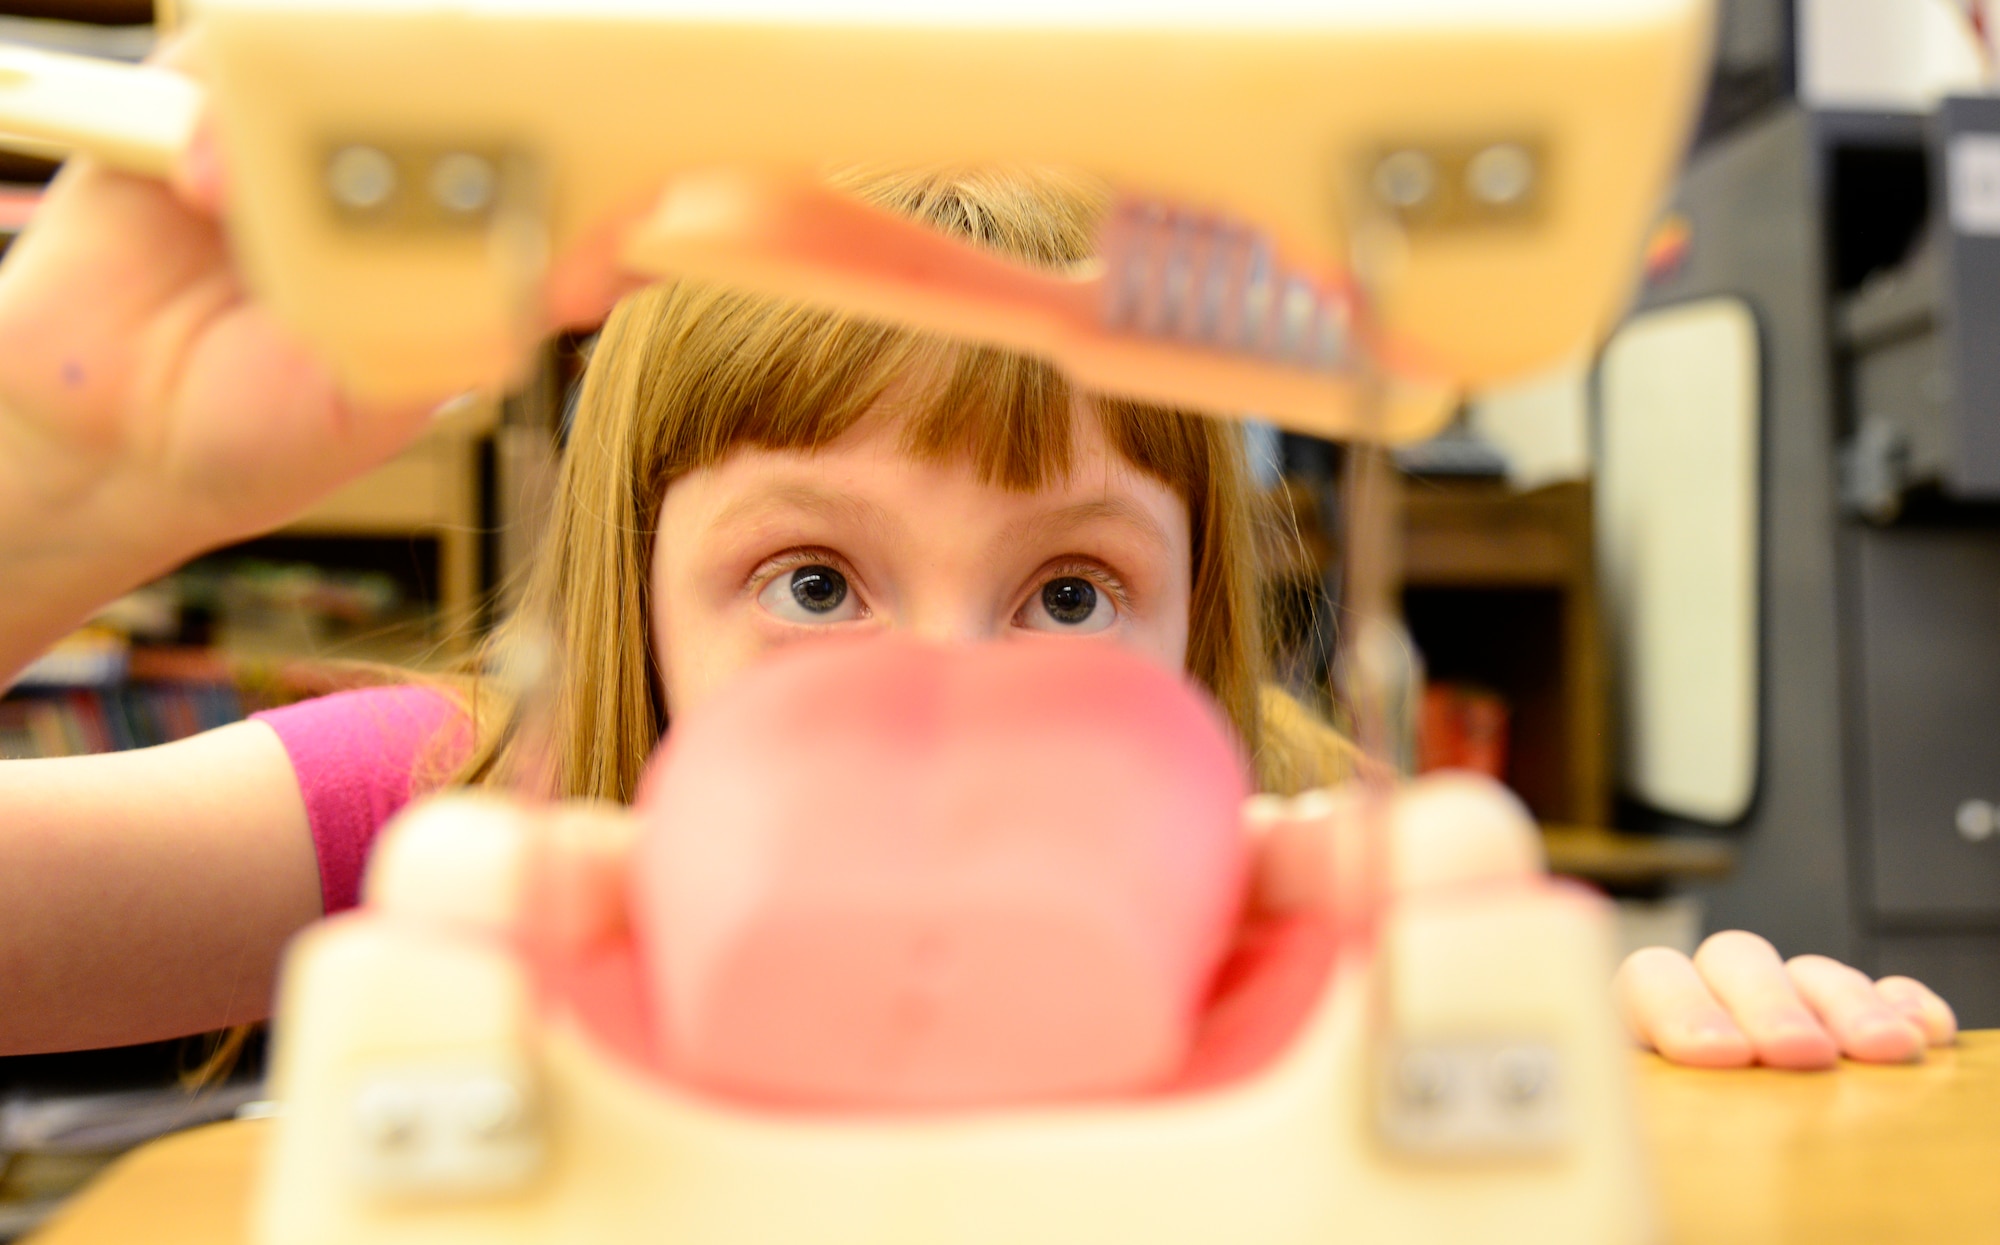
(770, 547)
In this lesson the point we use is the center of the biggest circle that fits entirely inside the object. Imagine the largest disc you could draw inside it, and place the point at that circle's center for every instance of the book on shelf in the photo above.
(1463, 727)
(197, 650)
(90, 656)
(112, 718)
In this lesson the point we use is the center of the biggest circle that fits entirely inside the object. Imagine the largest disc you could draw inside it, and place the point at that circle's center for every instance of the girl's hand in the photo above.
(1736, 1003)
(145, 389)
(151, 407)
(144, 394)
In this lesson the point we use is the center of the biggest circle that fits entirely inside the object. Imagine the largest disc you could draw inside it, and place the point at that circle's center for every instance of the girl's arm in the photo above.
(148, 894)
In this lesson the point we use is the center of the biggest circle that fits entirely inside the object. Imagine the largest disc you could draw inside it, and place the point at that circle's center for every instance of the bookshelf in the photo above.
(1499, 592)
(271, 620)
(433, 491)
(1500, 588)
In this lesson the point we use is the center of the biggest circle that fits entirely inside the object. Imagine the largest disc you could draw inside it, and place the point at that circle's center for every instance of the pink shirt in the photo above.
(359, 757)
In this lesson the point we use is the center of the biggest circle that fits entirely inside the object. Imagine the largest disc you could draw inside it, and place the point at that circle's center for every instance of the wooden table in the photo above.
(1867, 1155)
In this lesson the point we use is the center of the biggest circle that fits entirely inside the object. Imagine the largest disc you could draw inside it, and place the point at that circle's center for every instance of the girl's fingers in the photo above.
(1749, 979)
(198, 178)
(1864, 1022)
(1736, 1003)
(1921, 1004)
(1669, 1008)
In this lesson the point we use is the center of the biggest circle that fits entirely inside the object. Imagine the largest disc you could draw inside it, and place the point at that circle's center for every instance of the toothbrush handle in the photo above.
(133, 117)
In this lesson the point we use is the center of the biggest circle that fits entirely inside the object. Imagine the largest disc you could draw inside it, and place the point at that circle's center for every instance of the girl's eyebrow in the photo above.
(793, 495)
(1116, 510)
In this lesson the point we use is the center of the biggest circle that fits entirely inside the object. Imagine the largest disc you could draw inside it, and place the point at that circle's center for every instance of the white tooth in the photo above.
(1177, 282)
(1159, 273)
(1121, 245)
(1451, 829)
(1263, 813)
(1297, 312)
(1314, 805)
(1215, 283)
(1257, 294)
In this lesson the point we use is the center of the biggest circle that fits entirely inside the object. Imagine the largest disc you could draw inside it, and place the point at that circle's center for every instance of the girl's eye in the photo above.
(1071, 605)
(810, 594)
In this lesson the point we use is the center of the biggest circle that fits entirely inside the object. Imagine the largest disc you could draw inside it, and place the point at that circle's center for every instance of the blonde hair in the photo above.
(683, 373)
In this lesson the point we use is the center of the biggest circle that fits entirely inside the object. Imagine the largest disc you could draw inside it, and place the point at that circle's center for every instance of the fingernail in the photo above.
(1794, 1024)
(1715, 1041)
(1796, 1040)
(1886, 1036)
(201, 171)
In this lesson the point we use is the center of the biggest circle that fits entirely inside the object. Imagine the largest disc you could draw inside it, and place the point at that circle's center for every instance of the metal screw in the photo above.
(1501, 175)
(361, 178)
(1423, 1081)
(387, 1115)
(489, 1107)
(1405, 179)
(1520, 1076)
(463, 183)
(1977, 820)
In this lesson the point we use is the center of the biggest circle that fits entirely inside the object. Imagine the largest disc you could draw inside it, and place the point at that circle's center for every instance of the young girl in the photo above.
(741, 475)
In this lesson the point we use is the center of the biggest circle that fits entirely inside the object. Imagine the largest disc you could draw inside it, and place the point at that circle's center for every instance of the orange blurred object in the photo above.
(1463, 727)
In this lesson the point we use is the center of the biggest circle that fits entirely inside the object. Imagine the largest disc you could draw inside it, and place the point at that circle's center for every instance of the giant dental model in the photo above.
(1478, 173)
(1336, 214)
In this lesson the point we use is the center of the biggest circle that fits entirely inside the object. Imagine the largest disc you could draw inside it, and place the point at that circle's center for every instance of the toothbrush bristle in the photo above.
(1175, 273)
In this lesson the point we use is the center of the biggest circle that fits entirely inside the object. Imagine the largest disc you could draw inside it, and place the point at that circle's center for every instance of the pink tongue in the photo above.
(877, 873)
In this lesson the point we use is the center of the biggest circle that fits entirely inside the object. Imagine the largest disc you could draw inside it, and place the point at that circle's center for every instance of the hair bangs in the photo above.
(790, 378)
